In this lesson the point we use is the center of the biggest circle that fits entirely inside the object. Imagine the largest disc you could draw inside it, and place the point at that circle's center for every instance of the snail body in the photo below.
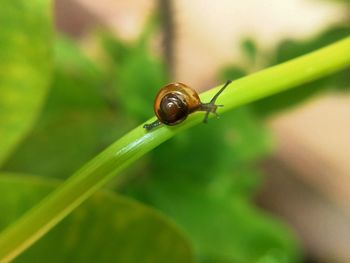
(176, 101)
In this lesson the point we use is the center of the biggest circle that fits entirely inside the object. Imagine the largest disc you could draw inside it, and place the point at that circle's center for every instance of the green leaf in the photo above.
(136, 76)
(25, 67)
(87, 107)
(249, 48)
(78, 119)
(107, 228)
(225, 228)
(232, 72)
(137, 82)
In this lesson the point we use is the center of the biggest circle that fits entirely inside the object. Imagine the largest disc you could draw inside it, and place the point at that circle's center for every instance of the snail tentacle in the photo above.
(211, 107)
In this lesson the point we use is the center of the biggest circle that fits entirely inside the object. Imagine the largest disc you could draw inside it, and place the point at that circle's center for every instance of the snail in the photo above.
(176, 101)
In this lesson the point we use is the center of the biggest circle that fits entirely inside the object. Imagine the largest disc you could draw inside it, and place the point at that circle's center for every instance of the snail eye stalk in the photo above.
(211, 107)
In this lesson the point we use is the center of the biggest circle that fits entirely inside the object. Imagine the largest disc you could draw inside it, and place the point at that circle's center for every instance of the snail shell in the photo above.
(174, 102)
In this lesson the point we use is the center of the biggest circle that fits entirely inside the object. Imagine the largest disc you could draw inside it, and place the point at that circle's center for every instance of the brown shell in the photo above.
(174, 102)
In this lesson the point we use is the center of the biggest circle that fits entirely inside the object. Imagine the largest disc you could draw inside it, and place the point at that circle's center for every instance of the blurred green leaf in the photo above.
(82, 114)
(78, 121)
(25, 67)
(137, 82)
(232, 72)
(107, 228)
(205, 178)
(249, 48)
(289, 49)
(224, 228)
(87, 107)
(136, 75)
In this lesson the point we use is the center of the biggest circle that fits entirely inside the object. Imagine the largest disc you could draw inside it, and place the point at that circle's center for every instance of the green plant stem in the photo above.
(39, 220)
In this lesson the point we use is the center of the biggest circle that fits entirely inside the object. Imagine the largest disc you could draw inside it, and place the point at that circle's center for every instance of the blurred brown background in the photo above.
(308, 177)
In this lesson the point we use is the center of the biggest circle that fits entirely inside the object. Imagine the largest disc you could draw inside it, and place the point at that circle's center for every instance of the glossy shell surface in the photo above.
(174, 102)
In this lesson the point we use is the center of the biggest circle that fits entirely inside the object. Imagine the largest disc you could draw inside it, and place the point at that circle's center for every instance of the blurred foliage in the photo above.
(250, 49)
(286, 50)
(204, 179)
(136, 75)
(77, 120)
(106, 228)
(25, 65)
